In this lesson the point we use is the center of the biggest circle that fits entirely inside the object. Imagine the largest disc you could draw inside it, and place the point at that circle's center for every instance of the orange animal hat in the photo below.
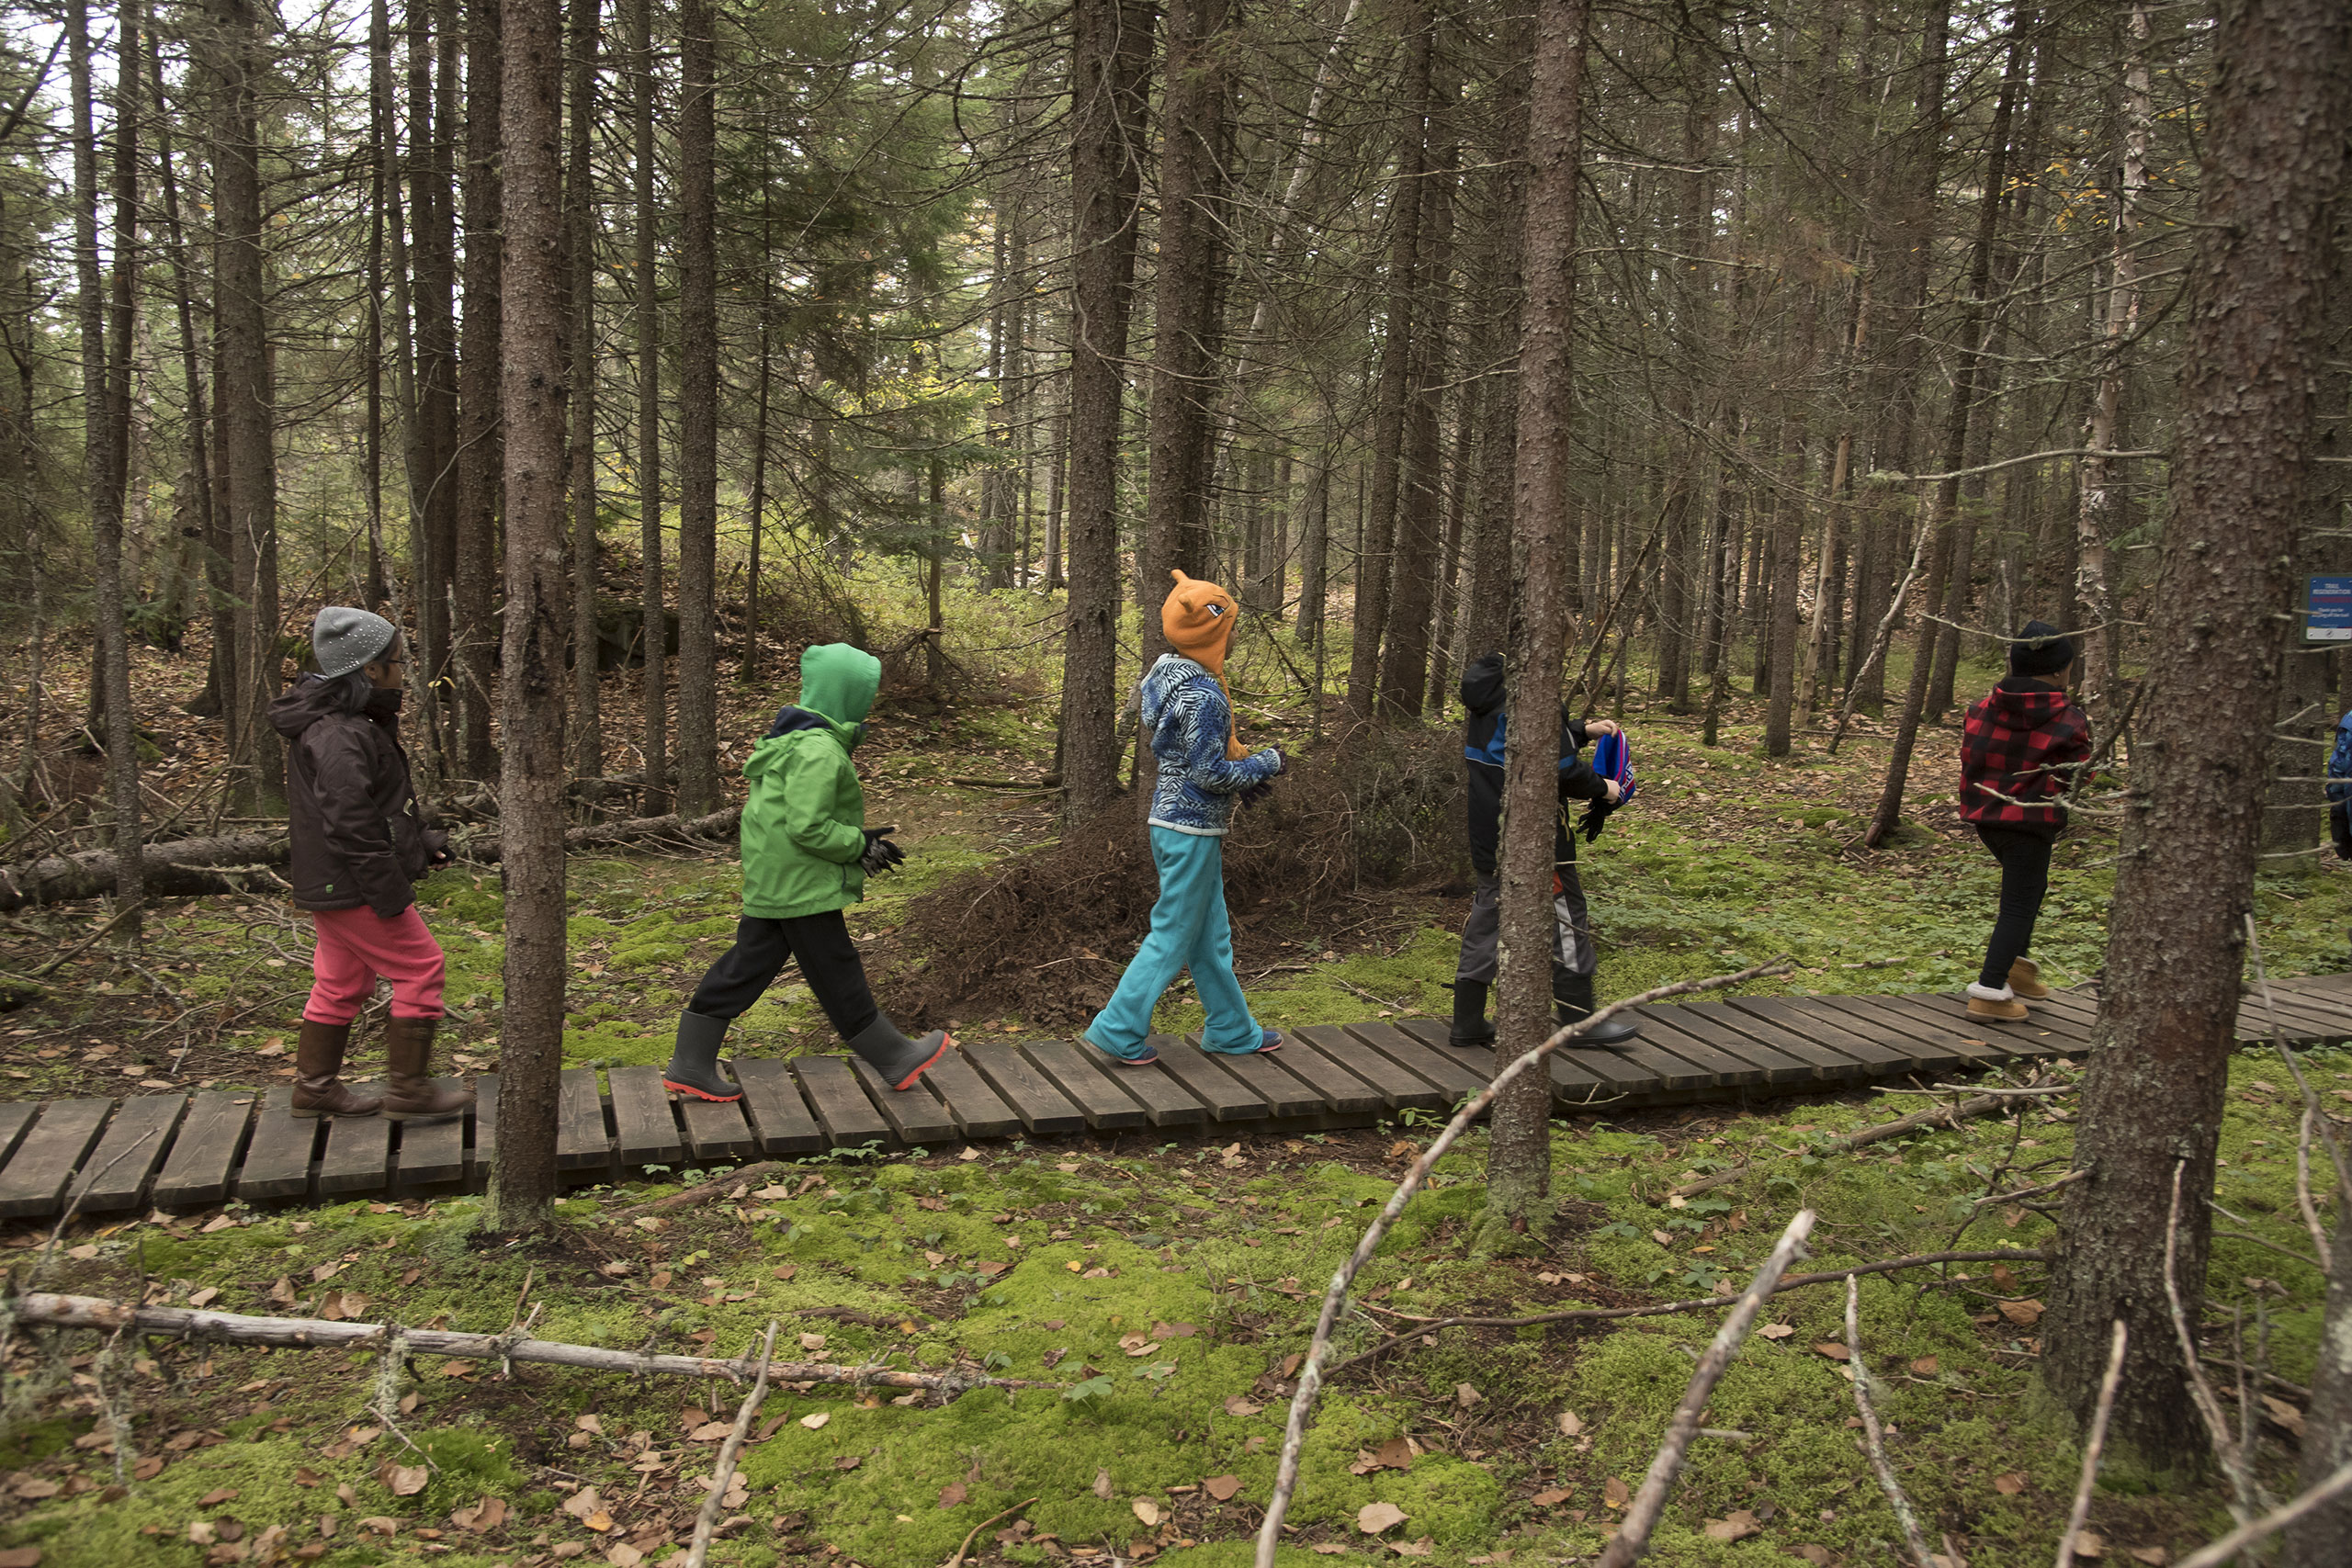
(1198, 618)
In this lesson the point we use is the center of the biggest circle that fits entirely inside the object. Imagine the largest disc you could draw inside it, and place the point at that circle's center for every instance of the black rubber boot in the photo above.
(899, 1060)
(1470, 1026)
(694, 1060)
(1572, 1000)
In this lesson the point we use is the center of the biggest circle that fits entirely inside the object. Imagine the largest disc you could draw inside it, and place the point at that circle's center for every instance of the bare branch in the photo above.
(714, 1506)
(2095, 1444)
(1873, 1436)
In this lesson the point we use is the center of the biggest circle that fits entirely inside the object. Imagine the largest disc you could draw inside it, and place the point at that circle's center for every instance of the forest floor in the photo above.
(1170, 1285)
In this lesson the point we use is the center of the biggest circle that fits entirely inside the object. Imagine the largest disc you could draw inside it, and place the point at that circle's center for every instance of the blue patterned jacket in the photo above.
(1185, 712)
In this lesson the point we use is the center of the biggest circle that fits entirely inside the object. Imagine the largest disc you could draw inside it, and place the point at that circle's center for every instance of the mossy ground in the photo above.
(1728, 857)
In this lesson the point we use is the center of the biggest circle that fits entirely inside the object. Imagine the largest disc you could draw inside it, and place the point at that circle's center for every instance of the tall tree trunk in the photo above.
(531, 782)
(433, 430)
(1058, 469)
(480, 435)
(1374, 576)
(2280, 107)
(1110, 65)
(1414, 569)
(580, 246)
(1519, 1161)
(698, 794)
(1193, 223)
(654, 640)
(1315, 537)
(2095, 520)
(762, 376)
(198, 511)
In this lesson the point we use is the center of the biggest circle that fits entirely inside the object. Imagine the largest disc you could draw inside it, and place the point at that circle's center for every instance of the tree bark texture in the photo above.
(473, 628)
(2280, 105)
(654, 641)
(698, 789)
(1110, 65)
(532, 675)
(1519, 1167)
(580, 238)
(1404, 665)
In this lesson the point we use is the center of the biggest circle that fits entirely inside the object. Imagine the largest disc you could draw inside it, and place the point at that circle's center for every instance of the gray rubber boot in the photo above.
(899, 1060)
(694, 1060)
(1573, 1001)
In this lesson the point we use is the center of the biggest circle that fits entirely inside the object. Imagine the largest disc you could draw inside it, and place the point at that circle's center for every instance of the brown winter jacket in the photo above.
(356, 837)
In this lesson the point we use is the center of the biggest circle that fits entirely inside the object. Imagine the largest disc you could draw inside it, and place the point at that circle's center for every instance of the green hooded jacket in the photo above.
(804, 820)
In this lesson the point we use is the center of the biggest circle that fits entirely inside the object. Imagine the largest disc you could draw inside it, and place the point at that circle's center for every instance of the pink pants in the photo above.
(355, 947)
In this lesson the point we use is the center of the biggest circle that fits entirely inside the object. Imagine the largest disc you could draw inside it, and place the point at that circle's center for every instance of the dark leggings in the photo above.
(828, 959)
(2025, 878)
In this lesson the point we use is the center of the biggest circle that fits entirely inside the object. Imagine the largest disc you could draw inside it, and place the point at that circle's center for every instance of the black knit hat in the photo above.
(2041, 650)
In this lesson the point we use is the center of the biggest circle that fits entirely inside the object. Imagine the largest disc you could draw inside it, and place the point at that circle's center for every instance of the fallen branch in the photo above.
(1605, 1314)
(1310, 1376)
(1633, 1538)
(974, 1533)
(714, 1506)
(719, 1186)
(98, 1313)
(1941, 1116)
(1874, 1438)
(2200, 1389)
(635, 830)
(2096, 1444)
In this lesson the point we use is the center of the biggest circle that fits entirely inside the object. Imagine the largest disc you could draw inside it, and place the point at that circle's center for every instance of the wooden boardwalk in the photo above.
(179, 1151)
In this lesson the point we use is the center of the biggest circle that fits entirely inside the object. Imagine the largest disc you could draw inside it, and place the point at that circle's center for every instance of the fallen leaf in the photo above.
(2025, 1314)
(1466, 1397)
(582, 1503)
(217, 1496)
(21, 1557)
(2004, 1280)
(2010, 1483)
(1662, 1238)
(815, 1418)
(2154, 1556)
(812, 1342)
(1925, 1366)
(408, 1480)
(1421, 1548)
(1222, 1487)
(1290, 1365)
(1147, 1510)
(1571, 1423)
(1102, 1484)
(849, 1461)
(1552, 1498)
(1374, 1518)
(786, 1270)
(1775, 1331)
(1397, 1453)
(204, 1297)
(1237, 1406)
(486, 1515)
(1834, 1350)
(621, 1554)
(282, 1292)
(1821, 1555)
(1614, 1491)
(1739, 1525)
(201, 1532)
(380, 1525)
(152, 1466)
(969, 1152)
(590, 1423)
(710, 1432)
(1137, 1345)
(952, 1494)
(2089, 1543)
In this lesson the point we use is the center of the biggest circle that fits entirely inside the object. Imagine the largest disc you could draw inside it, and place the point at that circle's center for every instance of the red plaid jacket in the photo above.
(2018, 744)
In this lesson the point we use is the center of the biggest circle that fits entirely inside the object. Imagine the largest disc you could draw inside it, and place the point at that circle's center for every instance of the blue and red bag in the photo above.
(1612, 758)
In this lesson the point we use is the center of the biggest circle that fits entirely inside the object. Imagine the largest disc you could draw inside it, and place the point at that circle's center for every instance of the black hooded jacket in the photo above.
(354, 832)
(1482, 749)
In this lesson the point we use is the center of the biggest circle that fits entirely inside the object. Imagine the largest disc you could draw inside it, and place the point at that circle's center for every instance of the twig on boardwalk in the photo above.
(2278, 1518)
(973, 1534)
(2200, 1389)
(1633, 1538)
(1603, 1315)
(2093, 1446)
(714, 1506)
(1310, 1374)
(1875, 1438)
(1984, 1104)
(317, 1334)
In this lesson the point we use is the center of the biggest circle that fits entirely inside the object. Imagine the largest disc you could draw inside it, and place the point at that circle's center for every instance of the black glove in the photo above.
(1255, 793)
(1596, 816)
(880, 853)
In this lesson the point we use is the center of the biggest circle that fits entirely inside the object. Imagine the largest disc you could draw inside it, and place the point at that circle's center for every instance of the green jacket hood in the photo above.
(840, 682)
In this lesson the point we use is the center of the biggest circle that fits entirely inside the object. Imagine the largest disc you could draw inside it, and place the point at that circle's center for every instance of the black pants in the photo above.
(2339, 828)
(828, 959)
(2025, 878)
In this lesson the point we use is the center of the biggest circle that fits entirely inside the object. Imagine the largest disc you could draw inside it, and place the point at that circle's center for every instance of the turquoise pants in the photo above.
(1189, 931)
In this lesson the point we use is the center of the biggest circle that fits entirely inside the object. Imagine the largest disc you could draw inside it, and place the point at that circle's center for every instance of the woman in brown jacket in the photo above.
(358, 847)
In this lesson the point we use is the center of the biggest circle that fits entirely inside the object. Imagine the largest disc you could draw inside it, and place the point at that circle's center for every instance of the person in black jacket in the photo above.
(358, 846)
(1574, 958)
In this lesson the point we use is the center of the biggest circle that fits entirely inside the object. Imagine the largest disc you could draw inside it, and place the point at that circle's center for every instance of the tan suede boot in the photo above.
(2025, 980)
(318, 1065)
(1985, 1002)
(413, 1095)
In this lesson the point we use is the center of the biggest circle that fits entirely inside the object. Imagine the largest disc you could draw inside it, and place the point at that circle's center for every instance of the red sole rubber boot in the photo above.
(947, 1044)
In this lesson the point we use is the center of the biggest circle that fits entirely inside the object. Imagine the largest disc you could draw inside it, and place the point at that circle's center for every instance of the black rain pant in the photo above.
(2024, 878)
(827, 960)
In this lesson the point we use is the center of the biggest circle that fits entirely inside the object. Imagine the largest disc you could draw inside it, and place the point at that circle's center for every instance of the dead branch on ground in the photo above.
(1874, 1437)
(723, 1473)
(1983, 1104)
(2095, 1444)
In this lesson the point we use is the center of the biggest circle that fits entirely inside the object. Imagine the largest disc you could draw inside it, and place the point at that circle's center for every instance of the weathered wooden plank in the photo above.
(482, 1155)
(1104, 1101)
(1732, 1070)
(777, 1111)
(358, 1155)
(2048, 1037)
(15, 1117)
(2306, 1018)
(914, 1113)
(197, 1170)
(2080, 1011)
(1165, 1100)
(977, 1110)
(279, 1151)
(431, 1154)
(716, 1130)
(34, 1182)
(1227, 1097)
(581, 1139)
(1932, 1039)
(1828, 1066)
(1401, 1089)
(1644, 1058)
(1042, 1108)
(116, 1173)
(1572, 1083)
(642, 1120)
(1267, 1076)
(1777, 1067)
(1341, 1093)
(1798, 1016)
(848, 1117)
(1454, 1074)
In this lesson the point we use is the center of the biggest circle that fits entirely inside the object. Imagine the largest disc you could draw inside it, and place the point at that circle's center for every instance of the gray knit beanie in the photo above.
(344, 639)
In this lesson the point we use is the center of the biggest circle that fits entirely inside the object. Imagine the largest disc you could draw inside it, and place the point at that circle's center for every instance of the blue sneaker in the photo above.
(1146, 1059)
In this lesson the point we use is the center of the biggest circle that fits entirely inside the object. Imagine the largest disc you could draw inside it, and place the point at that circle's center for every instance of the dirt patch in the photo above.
(1043, 936)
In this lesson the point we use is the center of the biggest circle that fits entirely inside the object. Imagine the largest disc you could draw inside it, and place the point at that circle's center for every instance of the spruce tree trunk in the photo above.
(698, 792)
(580, 246)
(1413, 576)
(653, 639)
(1110, 66)
(532, 778)
(1315, 537)
(473, 625)
(2280, 108)
(433, 429)
(1518, 1163)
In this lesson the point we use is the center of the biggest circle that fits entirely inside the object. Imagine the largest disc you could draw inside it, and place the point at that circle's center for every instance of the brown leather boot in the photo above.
(318, 1064)
(413, 1095)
